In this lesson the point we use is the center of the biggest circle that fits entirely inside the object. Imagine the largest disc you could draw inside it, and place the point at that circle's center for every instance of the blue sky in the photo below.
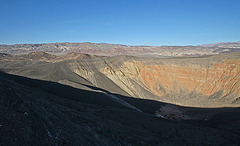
(130, 22)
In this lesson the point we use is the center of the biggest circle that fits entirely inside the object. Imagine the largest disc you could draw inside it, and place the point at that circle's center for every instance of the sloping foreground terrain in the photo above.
(33, 115)
(91, 100)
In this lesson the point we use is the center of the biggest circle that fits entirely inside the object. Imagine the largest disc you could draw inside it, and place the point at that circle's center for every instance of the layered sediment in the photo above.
(188, 84)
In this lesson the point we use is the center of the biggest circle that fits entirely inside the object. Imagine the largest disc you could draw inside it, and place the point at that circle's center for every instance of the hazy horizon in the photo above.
(135, 23)
(116, 43)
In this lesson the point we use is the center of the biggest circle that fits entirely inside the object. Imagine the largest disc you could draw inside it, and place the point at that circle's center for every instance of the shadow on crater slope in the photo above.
(43, 112)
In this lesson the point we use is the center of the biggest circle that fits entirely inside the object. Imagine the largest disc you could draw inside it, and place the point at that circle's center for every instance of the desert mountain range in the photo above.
(117, 49)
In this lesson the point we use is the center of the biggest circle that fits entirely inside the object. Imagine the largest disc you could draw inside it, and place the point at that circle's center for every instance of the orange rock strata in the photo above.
(205, 80)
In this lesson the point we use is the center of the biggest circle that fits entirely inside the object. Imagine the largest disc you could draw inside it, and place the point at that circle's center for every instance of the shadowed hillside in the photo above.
(31, 114)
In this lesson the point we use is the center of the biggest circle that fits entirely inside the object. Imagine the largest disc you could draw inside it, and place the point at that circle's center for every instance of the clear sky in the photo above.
(130, 22)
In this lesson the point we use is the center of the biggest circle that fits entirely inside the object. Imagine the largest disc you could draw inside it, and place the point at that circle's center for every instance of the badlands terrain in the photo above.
(106, 94)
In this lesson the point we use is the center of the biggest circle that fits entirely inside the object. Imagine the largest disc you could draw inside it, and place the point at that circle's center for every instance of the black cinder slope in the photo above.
(31, 115)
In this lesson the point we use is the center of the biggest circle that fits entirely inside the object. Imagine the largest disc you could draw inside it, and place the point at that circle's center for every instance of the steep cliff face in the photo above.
(207, 81)
(128, 77)
(191, 83)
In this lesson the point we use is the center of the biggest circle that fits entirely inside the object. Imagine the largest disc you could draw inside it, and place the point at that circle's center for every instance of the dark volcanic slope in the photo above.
(116, 49)
(30, 115)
